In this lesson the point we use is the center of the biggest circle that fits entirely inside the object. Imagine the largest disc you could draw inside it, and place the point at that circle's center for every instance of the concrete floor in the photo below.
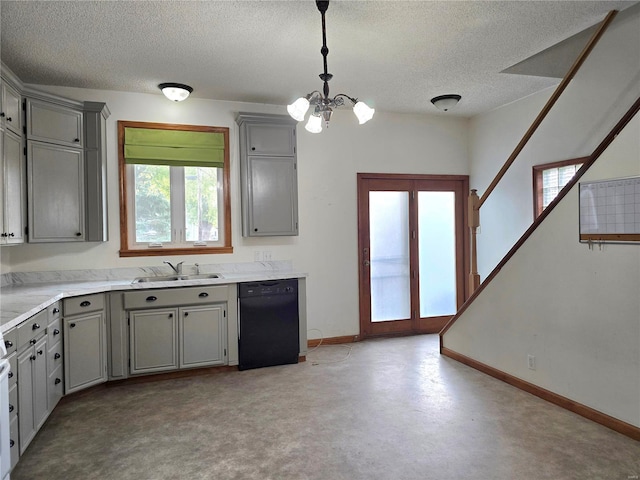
(381, 409)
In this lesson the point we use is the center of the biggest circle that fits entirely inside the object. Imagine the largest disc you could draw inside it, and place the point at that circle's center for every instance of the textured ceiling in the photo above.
(394, 55)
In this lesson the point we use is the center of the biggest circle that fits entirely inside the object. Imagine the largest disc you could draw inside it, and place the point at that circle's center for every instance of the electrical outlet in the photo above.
(531, 360)
(257, 256)
(267, 256)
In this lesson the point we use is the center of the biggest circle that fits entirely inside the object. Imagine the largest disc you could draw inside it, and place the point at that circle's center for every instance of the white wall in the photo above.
(327, 165)
(605, 87)
(576, 310)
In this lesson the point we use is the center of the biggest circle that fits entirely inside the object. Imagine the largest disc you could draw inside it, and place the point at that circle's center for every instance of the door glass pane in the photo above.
(389, 242)
(437, 254)
(152, 203)
(201, 203)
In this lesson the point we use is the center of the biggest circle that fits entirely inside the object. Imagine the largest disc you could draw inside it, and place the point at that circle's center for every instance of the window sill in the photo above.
(158, 252)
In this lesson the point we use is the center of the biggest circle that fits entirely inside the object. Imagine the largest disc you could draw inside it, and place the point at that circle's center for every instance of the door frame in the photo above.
(418, 325)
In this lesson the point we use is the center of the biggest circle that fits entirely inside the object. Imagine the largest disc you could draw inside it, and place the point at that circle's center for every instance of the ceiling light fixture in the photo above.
(175, 91)
(322, 103)
(445, 102)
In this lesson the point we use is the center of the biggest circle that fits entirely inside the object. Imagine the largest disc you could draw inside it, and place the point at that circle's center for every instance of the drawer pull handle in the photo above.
(151, 298)
(57, 381)
(10, 375)
(56, 356)
(56, 310)
(32, 341)
(86, 303)
(71, 325)
(8, 343)
(10, 408)
(56, 331)
(203, 295)
(40, 352)
(35, 326)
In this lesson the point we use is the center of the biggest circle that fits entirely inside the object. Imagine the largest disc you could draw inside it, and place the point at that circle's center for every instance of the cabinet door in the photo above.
(84, 351)
(51, 123)
(265, 139)
(14, 189)
(11, 113)
(55, 178)
(203, 336)
(40, 378)
(272, 193)
(153, 337)
(25, 397)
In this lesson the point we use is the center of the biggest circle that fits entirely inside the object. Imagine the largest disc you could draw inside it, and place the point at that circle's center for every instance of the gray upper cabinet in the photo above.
(268, 175)
(13, 186)
(52, 123)
(10, 111)
(66, 169)
(55, 177)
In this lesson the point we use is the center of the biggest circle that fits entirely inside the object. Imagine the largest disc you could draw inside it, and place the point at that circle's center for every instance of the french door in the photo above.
(413, 245)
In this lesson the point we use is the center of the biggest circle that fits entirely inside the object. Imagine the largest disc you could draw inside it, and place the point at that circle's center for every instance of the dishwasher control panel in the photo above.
(268, 288)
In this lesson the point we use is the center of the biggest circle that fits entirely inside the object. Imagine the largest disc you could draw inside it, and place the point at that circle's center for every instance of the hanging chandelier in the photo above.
(323, 105)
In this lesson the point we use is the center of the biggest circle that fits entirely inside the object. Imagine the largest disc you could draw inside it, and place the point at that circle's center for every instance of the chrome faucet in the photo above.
(177, 268)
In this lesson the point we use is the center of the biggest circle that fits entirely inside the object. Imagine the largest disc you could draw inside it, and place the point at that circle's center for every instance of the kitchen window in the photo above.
(549, 179)
(174, 189)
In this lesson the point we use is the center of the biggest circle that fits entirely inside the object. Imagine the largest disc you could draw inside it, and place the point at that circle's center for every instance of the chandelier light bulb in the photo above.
(314, 125)
(363, 111)
(298, 108)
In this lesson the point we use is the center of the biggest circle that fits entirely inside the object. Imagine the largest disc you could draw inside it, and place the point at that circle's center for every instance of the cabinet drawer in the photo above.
(13, 370)
(53, 123)
(54, 330)
(13, 400)
(54, 359)
(175, 296)
(11, 340)
(84, 304)
(32, 328)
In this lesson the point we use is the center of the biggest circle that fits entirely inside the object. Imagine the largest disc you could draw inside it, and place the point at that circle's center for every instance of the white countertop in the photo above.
(18, 302)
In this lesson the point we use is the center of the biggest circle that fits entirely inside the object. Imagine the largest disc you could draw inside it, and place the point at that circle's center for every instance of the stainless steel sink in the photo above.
(174, 278)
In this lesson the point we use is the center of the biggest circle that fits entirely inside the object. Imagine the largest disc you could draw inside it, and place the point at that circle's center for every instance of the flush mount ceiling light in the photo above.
(175, 91)
(323, 105)
(445, 102)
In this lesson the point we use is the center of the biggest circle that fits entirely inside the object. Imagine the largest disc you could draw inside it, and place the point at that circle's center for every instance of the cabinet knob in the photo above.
(40, 352)
(151, 298)
(76, 140)
(11, 443)
(9, 119)
(11, 234)
(35, 326)
(72, 325)
(86, 303)
(8, 343)
(2, 114)
(56, 331)
(253, 148)
(4, 235)
(56, 310)
(11, 408)
(32, 358)
(56, 356)
(203, 295)
(171, 315)
(57, 381)
(255, 229)
(78, 234)
(10, 375)
(186, 314)
(32, 341)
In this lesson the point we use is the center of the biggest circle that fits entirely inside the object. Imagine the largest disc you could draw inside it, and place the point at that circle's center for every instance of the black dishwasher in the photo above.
(268, 333)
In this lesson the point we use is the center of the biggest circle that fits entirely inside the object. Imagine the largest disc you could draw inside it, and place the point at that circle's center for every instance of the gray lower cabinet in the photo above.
(203, 334)
(32, 389)
(85, 347)
(154, 340)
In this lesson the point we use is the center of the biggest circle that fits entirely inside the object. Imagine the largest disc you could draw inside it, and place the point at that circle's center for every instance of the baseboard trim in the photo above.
(333, 340)
(594, 415)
